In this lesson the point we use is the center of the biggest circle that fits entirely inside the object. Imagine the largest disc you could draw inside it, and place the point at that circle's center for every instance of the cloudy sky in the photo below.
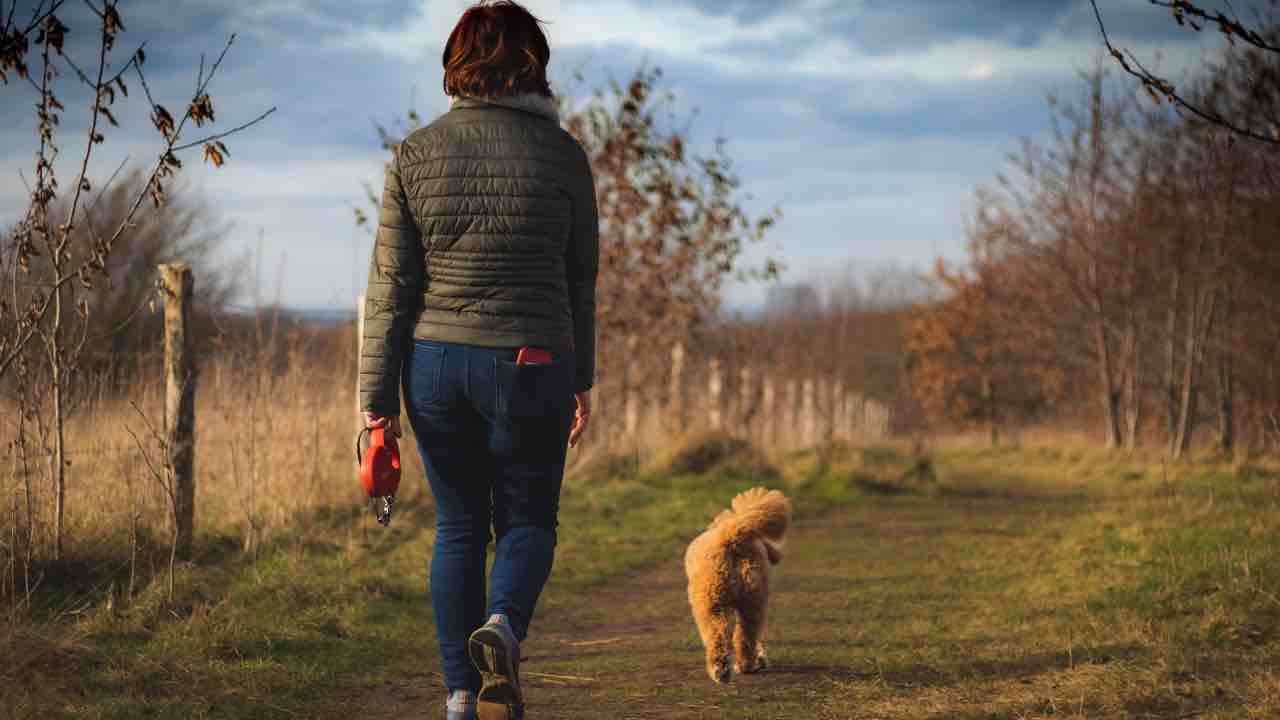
(869, 122)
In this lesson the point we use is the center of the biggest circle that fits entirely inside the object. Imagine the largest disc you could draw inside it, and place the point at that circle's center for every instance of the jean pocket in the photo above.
(423, 373)
(527, 392)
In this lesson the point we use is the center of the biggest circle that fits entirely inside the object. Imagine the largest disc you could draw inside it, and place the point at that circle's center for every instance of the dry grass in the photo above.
(274, 446)
(938, 579)
(1015, 583)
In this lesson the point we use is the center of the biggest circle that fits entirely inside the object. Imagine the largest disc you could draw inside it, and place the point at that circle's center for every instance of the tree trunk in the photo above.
(1226, 405)
(989, 404)
(1110, 398)
(1132, 371)
(1133, 400)
(1171, 359)
(1226, 377)
(1199, 325)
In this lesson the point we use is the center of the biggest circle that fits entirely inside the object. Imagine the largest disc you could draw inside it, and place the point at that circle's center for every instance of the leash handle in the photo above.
(359, 436)
(383, 505)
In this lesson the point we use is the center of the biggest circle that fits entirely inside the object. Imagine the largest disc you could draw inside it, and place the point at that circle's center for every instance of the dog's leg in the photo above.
(748, 636)
(715, 625)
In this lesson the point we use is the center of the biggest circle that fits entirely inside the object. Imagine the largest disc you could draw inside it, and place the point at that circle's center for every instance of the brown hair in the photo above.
(497, 48)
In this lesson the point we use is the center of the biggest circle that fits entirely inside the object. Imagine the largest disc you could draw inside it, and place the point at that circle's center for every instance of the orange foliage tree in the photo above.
(971, 357)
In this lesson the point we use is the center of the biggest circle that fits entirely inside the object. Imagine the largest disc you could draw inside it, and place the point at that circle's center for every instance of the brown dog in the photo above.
(728, 570)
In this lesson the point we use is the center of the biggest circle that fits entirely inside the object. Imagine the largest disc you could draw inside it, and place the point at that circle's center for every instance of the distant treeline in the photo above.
(1127, 271)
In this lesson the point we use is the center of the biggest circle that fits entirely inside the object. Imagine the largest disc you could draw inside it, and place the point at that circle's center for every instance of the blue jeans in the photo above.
(493, 437)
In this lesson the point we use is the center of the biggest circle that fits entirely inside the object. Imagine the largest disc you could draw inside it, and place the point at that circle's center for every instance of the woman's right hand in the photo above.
(374, 420)
(581, 417)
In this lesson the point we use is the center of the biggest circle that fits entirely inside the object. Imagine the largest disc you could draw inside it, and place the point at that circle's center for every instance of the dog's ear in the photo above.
(724, 515)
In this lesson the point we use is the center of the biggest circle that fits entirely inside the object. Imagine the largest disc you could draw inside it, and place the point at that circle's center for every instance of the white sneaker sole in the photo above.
(495, 658)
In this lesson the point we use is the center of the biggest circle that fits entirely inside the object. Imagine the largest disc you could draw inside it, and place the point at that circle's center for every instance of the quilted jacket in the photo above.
(488, 236)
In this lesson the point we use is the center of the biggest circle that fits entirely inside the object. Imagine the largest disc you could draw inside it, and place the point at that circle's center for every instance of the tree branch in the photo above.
(10, 40)
(1158, 86)
(221, 135)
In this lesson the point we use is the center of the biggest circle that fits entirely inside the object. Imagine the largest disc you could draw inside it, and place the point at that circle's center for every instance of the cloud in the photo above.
(869, 121)
(676, 31)
(856, 41)
(981, 71)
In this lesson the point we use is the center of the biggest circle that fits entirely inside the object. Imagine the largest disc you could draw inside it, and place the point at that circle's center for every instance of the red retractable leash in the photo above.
(379, 471)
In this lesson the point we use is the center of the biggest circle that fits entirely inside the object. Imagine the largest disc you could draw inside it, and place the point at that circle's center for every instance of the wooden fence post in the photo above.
(631, 398)
(179, 407)
(821, 433)
(858, 415)
(850, 426)
(873, 419)
(715, 384)
(835, 412)
(746, 396)
(790, 415)
(675, 393)
(883, 420)
(809, 415)
(767, 404)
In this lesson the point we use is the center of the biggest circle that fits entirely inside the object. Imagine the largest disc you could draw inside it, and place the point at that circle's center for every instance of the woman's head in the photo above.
(497, 48)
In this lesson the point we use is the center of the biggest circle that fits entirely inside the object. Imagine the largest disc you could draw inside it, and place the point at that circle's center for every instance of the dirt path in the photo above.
(963, 606)
(629, 650)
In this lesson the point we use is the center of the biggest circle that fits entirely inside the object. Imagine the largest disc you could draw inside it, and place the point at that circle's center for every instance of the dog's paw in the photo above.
(753, 666)
(719, 671)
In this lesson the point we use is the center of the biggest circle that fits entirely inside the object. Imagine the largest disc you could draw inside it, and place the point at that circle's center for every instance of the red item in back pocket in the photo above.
(533, 356)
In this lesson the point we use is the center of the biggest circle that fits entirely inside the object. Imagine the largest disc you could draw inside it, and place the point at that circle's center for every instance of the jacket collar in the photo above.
(528, 102)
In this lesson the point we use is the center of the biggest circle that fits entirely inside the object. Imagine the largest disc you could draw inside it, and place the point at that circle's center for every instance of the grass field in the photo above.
(1021, 583)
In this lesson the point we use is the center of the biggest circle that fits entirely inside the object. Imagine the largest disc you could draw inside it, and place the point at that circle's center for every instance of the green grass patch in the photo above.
(1016, 582)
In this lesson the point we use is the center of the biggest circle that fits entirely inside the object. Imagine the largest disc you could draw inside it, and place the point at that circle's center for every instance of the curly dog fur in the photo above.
(728, 571)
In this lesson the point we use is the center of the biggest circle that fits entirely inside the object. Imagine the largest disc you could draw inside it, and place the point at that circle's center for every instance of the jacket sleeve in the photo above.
(582, 260)
(393, 297)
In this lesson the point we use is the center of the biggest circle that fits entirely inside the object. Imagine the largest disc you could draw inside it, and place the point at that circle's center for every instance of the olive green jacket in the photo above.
(488, 235)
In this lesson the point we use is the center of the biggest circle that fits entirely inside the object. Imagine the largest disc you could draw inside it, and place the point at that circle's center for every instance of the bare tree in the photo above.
(56, 256)
(1140, 257)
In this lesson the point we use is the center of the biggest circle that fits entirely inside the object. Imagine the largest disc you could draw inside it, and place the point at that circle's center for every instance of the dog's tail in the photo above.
(758, 513)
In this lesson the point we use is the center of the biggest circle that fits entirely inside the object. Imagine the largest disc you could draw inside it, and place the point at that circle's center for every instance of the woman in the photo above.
(486, 245)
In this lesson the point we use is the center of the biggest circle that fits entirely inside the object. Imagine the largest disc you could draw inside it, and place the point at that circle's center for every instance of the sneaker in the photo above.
(461, 705)
(496, 654)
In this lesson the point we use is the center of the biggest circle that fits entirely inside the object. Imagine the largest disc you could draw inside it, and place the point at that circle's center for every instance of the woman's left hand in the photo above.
(580, 418)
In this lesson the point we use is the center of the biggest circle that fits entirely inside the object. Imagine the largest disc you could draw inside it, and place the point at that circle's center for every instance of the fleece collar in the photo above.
(528, 102)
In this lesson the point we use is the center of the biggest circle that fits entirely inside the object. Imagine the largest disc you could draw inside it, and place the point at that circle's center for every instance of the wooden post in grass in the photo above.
(675, 392)
(767, 406)
(857, 423)
(808, 415)
(631, 396)
(845, 428)
(179, 407)
(835, 411)
(875, 419)
(746, 395)
(790, 418)
(820, 391)
(715, 384)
